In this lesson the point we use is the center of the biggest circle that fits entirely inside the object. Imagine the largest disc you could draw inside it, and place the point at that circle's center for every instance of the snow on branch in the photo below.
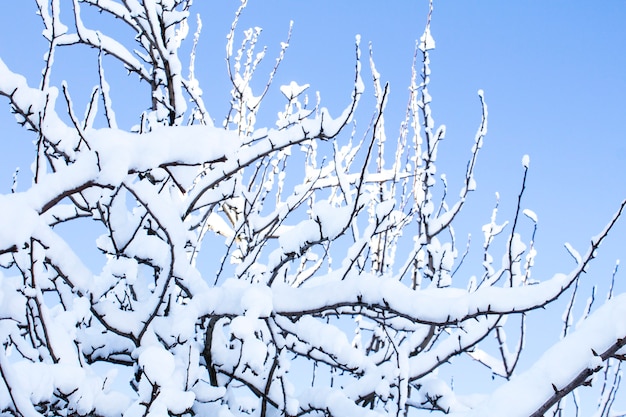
(568, 364)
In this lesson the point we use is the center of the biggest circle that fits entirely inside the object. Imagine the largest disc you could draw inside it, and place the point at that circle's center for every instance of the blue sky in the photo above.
(554, 76)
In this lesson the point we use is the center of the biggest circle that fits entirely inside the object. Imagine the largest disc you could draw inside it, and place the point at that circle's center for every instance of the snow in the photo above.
(295, 239)
(427, 42)
(120, 152)
(440, 305)
(384, 209)
(157, 363)
(573, 252)
(335, 402)
(531, 215)
(24, 96)
(328, 339)
(152, 303)
(293, 90)
(331, 220)
(256, 301)
(18, 221)
(557, 366)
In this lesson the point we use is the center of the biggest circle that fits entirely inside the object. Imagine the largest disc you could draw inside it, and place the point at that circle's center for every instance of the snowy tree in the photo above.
(307, 268)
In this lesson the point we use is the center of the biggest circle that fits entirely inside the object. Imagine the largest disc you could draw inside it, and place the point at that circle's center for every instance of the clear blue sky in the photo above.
(554, 76)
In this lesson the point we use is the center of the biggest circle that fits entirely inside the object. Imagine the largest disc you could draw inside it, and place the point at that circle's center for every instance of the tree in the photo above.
(335, 291)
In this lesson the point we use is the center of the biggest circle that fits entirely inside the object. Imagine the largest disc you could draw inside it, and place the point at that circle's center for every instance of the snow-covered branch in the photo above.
(303, 269)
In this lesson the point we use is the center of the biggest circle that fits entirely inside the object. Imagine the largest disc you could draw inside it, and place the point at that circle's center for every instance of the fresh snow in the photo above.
(234, 257)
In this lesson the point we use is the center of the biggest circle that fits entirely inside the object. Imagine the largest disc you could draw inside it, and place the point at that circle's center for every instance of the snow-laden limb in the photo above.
(34, 108)
(564, 367)
(428, 306)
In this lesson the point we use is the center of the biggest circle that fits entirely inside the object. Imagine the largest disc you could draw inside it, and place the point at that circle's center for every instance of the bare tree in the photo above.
(305, 269)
